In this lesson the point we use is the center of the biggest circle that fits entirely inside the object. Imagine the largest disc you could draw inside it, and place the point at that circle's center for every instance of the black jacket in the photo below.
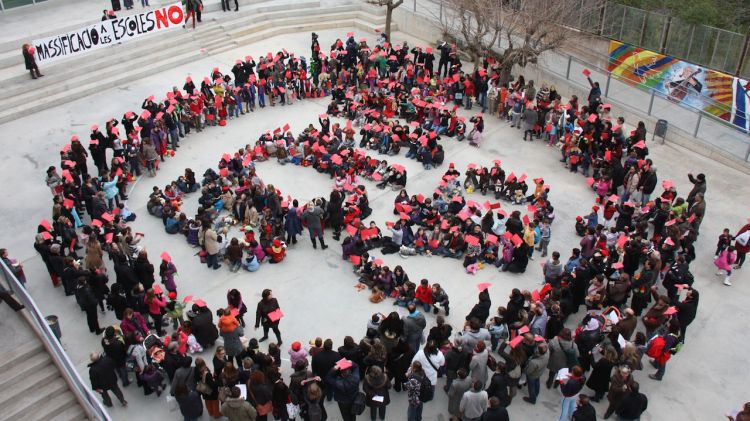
(204, 329)
(632, 406)
(323, 361)
(496, 414)
(116, 350)
(102, 373)
(584, 413)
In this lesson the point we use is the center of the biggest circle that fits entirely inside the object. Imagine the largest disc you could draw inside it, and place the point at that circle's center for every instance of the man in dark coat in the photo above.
(633, 404)
(686, 311)
(584, 411)
(104, 379)
(699, 186)
(322, 362)
(496, 412)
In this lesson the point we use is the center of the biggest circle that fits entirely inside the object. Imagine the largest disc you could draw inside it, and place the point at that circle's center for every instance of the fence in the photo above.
(716, 48)
(704, 127)
(93, 407)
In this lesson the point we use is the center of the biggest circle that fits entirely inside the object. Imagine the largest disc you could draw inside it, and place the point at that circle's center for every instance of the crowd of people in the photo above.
(634, 250)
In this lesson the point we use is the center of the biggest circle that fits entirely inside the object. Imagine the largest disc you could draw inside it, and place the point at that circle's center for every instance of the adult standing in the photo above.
(322, 362)
(699, 186)
(189, 402)
(414, 324)
(431, 359)
(103, 378)
(456, 391)
(534, 370)
(620, 385)
(114, 347)
(211, 244)
(413, 386)
(376, 385)
(266, 306)
(686, 311)
(236, 408)
(312, 217)
(570, 388)
(633, 405)
(207, 387)
(474, 403)
(742, 244)
(343, 378)
(28, 58)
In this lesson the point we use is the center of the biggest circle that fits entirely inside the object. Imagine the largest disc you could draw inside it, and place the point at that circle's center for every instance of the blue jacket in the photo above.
(345, 389)
(110, 188)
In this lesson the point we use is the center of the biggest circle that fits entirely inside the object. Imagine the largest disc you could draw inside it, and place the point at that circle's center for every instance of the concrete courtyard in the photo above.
(316, 288)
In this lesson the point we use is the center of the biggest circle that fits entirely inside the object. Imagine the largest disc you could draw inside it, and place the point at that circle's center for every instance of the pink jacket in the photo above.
(295, 356)
(725, 260)
(155, 306)
(129, 325)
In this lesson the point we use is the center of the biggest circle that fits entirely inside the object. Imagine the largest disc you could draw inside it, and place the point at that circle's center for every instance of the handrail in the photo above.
(84, 395)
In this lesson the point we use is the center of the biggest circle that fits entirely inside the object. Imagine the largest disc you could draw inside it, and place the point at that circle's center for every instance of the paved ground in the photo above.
(315, 288)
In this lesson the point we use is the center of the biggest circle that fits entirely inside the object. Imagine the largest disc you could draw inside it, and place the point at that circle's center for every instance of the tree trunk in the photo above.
(388, 16)
(505, 69)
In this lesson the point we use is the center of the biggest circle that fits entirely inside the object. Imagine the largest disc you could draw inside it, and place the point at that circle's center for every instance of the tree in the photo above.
(390, 5)
(524, 29)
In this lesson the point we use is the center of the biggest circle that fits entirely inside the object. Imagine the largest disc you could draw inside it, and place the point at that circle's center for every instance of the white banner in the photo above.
(109, 32)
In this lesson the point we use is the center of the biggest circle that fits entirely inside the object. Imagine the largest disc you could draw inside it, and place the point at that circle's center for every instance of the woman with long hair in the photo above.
(207, 387)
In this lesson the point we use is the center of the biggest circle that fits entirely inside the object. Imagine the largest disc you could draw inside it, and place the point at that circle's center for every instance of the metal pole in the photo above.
(2, 6)
(713, 53)
(606, 86)
(651, 102)
(665, 35)
(441, 10)
(567, 72)
(698, 124)
(745, 48)
(602, 15)
(622, 21)
(690, 43)
(643, 28)
(747, 154)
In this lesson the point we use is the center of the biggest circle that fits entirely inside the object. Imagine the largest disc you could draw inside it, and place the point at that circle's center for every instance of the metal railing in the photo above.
(10, 4)
(84, 395)
(704, 127)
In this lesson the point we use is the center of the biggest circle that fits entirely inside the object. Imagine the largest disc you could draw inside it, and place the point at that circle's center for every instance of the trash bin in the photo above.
(660, 129)
(54, 324)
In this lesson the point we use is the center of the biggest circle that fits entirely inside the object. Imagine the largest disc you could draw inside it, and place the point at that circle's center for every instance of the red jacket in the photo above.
(424, 294)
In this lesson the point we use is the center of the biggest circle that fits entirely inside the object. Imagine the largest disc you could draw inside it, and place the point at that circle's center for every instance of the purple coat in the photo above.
(167, 276)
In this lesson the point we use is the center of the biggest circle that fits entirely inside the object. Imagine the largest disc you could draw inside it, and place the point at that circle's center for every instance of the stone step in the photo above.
(23, 368)
(11, 57)
(30, 382)
(272, 16)
(63, 77)
(51, 406)
(18, 355)
(29, 403)
(304, 27)
(80, 91)
(74, 413)
(69, 80)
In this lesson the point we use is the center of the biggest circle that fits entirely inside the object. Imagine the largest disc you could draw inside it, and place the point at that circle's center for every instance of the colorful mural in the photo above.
(716, 93)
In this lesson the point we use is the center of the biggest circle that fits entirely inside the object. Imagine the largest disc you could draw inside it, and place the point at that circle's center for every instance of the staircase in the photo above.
(76, 78)
(33, 388)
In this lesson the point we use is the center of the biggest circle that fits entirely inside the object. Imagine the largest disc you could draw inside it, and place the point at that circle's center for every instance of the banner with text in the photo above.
(108, 32)
(722, 95)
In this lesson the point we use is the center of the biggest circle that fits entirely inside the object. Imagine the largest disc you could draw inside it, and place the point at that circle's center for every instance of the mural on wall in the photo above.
(722, 95)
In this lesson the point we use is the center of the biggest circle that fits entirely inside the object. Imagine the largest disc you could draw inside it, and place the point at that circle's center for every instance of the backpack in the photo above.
(571, 359)
(426, 392)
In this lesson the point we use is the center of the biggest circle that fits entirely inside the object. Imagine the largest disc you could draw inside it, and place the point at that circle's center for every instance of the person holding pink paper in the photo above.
(263, 315)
